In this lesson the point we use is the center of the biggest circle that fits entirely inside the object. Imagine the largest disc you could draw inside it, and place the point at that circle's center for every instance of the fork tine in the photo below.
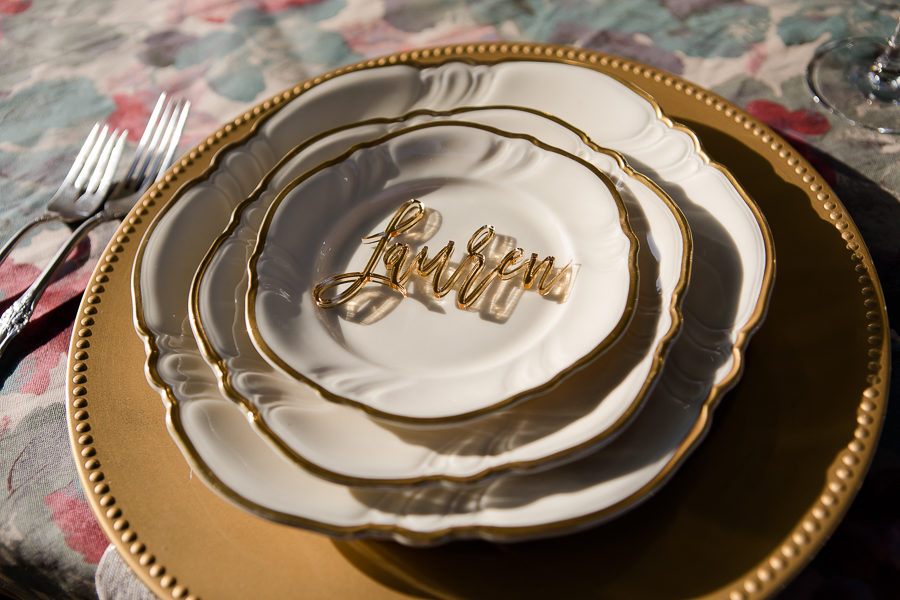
(102, 162)
(106, 182)
(159, 148)
(148, 130)
(174, 137)
(151, 148)
(162, 150)
(91, 159)
(82, 155)
(106, 167)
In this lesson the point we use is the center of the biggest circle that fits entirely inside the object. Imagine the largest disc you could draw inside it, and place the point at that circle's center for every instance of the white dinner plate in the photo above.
(405, 353)
(349, 446)
(730, 280)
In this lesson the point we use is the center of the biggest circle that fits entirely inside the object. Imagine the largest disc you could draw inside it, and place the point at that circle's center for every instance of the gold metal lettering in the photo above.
(465, 275)
(406, 216)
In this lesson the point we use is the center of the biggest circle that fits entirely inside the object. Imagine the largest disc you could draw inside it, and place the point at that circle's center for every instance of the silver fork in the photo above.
(80, 194)
(155, 155)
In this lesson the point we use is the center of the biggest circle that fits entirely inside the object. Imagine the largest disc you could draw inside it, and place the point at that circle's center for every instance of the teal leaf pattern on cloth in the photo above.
(235, 61)
(830, 21)
(162, 47)
(47, 105)
(238, 81)
(294, 33)
(799, 29)
(206, 48)
(719, 30)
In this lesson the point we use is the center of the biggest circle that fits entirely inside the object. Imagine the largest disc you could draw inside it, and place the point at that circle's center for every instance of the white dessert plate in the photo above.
(321, 307)
(732, 273)
(341, 442)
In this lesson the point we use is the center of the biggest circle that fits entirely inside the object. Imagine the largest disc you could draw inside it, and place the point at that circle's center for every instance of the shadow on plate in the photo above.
(773, 441)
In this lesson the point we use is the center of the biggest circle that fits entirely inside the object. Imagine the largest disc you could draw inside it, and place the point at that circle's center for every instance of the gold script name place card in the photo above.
(399, 270)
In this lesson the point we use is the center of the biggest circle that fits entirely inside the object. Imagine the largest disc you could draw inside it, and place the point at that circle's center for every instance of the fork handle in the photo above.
(14, 319)
(17, 236)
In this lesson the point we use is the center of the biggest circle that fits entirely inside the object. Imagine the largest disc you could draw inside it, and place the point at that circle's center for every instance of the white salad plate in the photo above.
(406, 353)
(347, 445)
(731, 276)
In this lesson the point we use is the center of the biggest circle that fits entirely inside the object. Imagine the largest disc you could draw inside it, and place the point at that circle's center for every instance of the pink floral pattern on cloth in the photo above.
(66, 65)
(71, 513)
(796, 126)
(777, 116)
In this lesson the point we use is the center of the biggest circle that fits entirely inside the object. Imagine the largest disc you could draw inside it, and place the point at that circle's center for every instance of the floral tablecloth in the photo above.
(68, 63)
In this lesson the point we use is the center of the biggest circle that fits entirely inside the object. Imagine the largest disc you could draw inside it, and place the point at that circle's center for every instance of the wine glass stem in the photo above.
(884, 75)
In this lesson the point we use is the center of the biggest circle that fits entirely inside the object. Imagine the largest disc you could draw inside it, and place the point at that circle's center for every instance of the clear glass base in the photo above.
(843, 78)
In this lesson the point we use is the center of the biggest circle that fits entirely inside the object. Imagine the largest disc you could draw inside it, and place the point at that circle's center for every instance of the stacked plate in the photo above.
(463, 301)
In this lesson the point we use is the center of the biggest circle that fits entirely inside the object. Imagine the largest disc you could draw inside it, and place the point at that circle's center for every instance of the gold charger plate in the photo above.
(787, 451)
